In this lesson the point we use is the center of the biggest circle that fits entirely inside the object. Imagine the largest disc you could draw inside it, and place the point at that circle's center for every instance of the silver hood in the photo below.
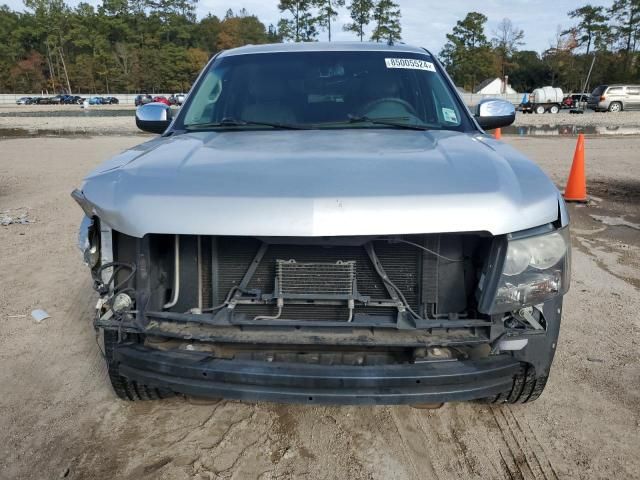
(321, 183)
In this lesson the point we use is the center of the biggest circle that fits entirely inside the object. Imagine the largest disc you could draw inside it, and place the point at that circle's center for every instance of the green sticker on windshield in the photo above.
(449, 115)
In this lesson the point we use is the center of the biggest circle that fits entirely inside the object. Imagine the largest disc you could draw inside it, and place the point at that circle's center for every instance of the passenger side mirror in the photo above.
(153, 117)
(494, 113)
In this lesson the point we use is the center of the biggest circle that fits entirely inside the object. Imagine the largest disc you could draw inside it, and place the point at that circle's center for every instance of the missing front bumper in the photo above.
(200, 374)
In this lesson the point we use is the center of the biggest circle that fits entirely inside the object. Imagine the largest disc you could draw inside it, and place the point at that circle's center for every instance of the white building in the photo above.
(495, 86)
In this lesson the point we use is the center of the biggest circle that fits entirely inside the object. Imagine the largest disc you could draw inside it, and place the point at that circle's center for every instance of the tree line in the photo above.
(611, 35)
(153, 45)
(119, 46)
(160, 45)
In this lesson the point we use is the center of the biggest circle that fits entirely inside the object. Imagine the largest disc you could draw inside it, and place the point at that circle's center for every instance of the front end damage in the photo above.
(327, 320)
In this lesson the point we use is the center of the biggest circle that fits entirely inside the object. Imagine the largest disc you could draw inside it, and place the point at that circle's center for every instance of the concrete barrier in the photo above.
(471, 99)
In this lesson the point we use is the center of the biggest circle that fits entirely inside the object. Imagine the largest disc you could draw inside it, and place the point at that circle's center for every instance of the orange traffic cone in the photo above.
(497, 134)
(576, 190)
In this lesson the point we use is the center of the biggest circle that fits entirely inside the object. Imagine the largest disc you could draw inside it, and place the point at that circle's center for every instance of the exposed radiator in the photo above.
(401, 262)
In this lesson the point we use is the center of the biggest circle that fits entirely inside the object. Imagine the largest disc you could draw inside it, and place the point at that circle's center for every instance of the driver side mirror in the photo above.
(494, 113)
(153, 117)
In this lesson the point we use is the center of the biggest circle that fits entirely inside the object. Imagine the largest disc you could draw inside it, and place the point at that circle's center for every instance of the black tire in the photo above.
(526, 388)
(123, 387)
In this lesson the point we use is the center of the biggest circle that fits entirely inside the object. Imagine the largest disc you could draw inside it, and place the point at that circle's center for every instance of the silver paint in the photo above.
(321, 183)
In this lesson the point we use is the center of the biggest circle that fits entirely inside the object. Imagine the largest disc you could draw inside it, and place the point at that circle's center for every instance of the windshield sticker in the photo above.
(449, 115)
(410, 63)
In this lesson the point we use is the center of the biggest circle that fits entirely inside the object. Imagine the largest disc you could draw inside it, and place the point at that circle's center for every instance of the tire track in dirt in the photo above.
(471, 442)
(525, 457)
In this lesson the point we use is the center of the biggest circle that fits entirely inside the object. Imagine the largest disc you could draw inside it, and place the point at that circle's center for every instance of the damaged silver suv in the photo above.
(326, 224)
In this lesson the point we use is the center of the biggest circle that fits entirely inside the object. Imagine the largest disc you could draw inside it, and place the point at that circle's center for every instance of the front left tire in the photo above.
(123, 387)
(526, 387)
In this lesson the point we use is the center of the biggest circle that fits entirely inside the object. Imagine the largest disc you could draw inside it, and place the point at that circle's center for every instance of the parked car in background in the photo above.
(110, 101)
(73, 100)
(42, 101)
(614, 98)
(24, 101)
(362, 241)
(161, 99)
(177, 98)
(142, 99)
(57, 99)
(96, 101)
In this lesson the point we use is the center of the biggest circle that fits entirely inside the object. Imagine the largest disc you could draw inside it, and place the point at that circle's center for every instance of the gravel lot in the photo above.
(60, 418)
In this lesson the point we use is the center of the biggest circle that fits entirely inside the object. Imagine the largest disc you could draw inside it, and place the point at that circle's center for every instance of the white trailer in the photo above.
(545, 99)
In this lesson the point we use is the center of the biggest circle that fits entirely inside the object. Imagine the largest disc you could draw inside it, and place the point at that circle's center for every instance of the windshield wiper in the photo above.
(389, 123)
(232, 122)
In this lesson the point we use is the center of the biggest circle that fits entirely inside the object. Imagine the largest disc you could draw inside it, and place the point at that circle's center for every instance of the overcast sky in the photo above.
(425, 23)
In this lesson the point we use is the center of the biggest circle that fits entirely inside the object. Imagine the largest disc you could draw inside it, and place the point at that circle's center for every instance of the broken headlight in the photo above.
(89, 241)
(535, 269)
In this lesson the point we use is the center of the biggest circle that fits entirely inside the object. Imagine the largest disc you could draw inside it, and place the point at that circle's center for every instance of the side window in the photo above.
(614, 91)
(633, 90)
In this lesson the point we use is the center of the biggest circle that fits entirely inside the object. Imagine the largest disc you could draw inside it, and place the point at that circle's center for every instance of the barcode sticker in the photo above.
(410, 63)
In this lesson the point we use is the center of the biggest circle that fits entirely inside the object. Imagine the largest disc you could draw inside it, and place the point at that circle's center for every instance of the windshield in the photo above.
(323, 90)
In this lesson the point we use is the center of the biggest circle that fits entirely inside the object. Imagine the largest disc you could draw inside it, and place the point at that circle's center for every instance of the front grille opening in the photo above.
(331, 279)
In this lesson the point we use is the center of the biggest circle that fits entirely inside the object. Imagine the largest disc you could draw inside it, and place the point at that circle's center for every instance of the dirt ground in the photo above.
(60, 419)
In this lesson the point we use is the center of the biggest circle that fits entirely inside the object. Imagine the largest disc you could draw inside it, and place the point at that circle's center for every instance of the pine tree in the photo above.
(302, 27)
(626, 14)
(386, 14)
(360, 12)
(591, 27)
(467, 54)
(328, 12)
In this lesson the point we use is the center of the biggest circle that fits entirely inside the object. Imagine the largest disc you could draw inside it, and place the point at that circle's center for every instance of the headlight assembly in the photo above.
(535, 269)
(89, 241)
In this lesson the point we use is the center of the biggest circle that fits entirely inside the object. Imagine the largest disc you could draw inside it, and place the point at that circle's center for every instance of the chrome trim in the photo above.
(176, 274)
(106, 252)
(495, 107)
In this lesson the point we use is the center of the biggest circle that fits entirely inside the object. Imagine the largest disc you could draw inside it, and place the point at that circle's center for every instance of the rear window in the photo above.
(598, 90)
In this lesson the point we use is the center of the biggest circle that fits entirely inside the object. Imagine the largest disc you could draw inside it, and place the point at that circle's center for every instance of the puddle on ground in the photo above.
(80, 112)
(559, 130)
(544, 130)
